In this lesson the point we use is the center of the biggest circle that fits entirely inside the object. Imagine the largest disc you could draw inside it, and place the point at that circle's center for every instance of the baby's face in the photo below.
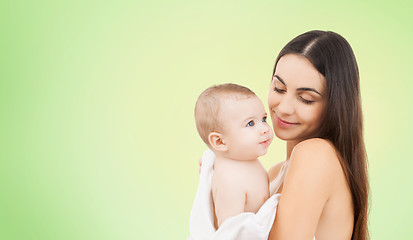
(246, 131)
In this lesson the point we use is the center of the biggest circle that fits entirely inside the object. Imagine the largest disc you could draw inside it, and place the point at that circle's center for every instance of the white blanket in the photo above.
(242, 226)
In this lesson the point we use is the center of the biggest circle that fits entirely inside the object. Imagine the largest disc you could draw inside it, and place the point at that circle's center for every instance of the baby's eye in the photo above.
(264, 119)
(250, 123)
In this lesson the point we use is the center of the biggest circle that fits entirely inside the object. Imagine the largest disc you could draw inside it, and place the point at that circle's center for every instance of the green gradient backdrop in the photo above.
(98, 139)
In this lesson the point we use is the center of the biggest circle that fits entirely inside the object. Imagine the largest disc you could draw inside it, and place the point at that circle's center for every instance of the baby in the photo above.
(231, 120)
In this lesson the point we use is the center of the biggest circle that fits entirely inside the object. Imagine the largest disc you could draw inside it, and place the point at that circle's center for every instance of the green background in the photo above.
(97, 133)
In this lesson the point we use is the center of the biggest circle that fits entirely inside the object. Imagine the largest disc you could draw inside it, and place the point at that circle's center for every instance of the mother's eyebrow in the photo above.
(298, 89)
(279, 79)
(309, 89)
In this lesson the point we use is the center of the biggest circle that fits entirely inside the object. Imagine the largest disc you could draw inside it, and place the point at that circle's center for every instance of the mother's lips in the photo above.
(284, 123)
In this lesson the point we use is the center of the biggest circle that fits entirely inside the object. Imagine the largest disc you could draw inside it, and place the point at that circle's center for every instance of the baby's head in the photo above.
(231, 119)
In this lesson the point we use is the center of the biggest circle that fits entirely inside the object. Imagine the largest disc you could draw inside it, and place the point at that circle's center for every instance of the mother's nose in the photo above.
(285, 107)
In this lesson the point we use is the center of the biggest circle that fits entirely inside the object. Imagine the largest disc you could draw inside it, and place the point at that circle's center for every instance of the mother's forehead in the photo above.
(297, 70)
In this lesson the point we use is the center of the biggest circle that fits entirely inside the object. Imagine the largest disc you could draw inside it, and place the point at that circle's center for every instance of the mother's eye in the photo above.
(306, 101)
(279, 90)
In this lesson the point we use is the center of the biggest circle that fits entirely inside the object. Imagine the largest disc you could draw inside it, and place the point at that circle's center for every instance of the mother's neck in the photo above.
(290, 146)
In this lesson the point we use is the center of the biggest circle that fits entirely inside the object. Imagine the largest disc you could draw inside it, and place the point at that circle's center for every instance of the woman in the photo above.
(314, 101)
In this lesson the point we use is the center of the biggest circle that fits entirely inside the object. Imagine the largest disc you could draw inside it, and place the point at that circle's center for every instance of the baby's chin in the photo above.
(247, 158)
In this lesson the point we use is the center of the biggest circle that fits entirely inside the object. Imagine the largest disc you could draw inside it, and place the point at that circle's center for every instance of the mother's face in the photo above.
(296, 98)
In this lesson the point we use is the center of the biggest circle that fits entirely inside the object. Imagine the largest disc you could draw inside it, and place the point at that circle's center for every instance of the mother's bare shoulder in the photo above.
(315, 147)
(318, 156)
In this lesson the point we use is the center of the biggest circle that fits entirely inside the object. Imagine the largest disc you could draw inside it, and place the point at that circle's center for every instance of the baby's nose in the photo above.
(265, 128)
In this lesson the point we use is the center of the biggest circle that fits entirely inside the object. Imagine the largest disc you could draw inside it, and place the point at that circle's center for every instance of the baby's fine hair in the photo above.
(207, 107)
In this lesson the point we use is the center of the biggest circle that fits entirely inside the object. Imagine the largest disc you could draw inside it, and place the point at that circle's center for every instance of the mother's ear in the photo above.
(217, 142)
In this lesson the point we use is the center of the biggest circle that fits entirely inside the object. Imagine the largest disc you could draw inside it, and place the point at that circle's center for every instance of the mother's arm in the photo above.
(308, 185)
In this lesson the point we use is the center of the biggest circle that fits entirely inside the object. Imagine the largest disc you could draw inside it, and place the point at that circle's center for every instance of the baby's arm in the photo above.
(229, 196)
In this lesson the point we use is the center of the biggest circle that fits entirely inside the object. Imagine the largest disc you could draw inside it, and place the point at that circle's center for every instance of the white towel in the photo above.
(242, 226)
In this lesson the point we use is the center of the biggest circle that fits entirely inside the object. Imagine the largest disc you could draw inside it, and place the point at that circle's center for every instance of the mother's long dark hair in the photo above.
(342, 122)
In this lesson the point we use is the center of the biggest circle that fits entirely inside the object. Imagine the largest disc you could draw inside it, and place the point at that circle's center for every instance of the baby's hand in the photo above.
(200, 165)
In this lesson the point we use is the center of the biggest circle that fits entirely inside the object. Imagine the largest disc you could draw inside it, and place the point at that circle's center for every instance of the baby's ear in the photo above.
(216, 141)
